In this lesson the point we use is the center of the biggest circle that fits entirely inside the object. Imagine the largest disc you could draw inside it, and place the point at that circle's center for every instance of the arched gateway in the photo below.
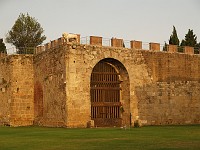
(106, 94)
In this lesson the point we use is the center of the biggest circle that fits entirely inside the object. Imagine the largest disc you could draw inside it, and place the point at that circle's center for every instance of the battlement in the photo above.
(121, 43)
(3, 55)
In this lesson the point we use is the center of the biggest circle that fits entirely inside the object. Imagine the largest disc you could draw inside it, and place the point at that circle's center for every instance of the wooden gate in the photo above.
(105, 95)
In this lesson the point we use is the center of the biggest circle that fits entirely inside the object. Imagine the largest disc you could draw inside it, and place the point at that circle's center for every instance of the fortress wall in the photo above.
(165, 66)
(18, 75)
(81, 59)
(50, 87)
(164, 87)
(53, 87)
(164, 103)
(78, 86)
(174, 95)
(5, 94)
(22, 90)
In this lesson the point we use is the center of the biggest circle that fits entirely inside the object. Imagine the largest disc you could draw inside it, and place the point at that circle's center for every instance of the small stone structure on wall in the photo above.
(53, 86)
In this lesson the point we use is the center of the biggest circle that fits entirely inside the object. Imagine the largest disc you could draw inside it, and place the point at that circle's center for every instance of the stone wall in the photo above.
(164, 87)
(50, 87)
(175, 102)
(17, 89)
(153, 82)
(173, 97)
(81, 59)
(165, 66)
(5, 97)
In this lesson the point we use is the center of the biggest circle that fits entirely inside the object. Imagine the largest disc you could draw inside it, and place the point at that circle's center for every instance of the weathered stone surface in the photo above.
(117, 42)
(136, 44)
(154, 46)
(169, 103)
(172, 48)
(16, 94)
(95, 40)
(50, 87)
(188, 50)
(53, 87)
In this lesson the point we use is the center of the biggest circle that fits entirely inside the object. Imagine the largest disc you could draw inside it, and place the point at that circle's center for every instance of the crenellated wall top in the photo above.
(118, 42)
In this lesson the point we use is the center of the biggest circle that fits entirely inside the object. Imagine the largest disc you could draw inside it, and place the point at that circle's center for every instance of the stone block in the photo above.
(39, 49)
(117, 42)
(172, 48)
(95, 40)
(79, 38)
(90, 124)
(60, 41)
(136, 44)
(154, 46)
(54, 43)
(188, 50)
(47, 46)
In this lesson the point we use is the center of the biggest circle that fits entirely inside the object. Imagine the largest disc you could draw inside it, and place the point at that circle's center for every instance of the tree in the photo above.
(165, 47)
(26, 33)
(2, 47)
(197, 48)
(174, 37)
(190, 39)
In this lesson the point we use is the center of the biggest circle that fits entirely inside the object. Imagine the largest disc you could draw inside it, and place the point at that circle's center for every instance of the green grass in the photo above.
(150, 138)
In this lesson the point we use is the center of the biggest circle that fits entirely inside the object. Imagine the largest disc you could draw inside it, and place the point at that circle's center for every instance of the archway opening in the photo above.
(108, 100)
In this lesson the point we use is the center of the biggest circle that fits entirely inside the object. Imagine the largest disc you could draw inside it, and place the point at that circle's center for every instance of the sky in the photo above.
(143, 20)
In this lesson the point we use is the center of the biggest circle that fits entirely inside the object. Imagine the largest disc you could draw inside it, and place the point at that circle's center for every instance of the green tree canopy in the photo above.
(26, 33)
(2, 47)
(165, 47)
(198, 45)
(174, 37)
(197, 48)
(190, 39)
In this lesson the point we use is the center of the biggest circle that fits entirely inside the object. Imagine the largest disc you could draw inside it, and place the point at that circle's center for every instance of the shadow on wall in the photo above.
(38, 102)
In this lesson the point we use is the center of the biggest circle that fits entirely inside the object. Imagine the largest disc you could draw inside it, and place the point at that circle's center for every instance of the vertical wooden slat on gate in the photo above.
(105, 95)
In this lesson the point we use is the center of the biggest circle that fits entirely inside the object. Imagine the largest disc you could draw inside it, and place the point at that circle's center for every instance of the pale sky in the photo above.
(144, 20)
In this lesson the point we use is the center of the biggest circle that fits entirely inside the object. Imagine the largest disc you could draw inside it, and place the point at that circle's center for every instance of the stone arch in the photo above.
(124, 94)
(38, 101)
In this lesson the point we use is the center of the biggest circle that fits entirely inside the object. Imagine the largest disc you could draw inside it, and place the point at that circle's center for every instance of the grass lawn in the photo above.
(151, 138)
